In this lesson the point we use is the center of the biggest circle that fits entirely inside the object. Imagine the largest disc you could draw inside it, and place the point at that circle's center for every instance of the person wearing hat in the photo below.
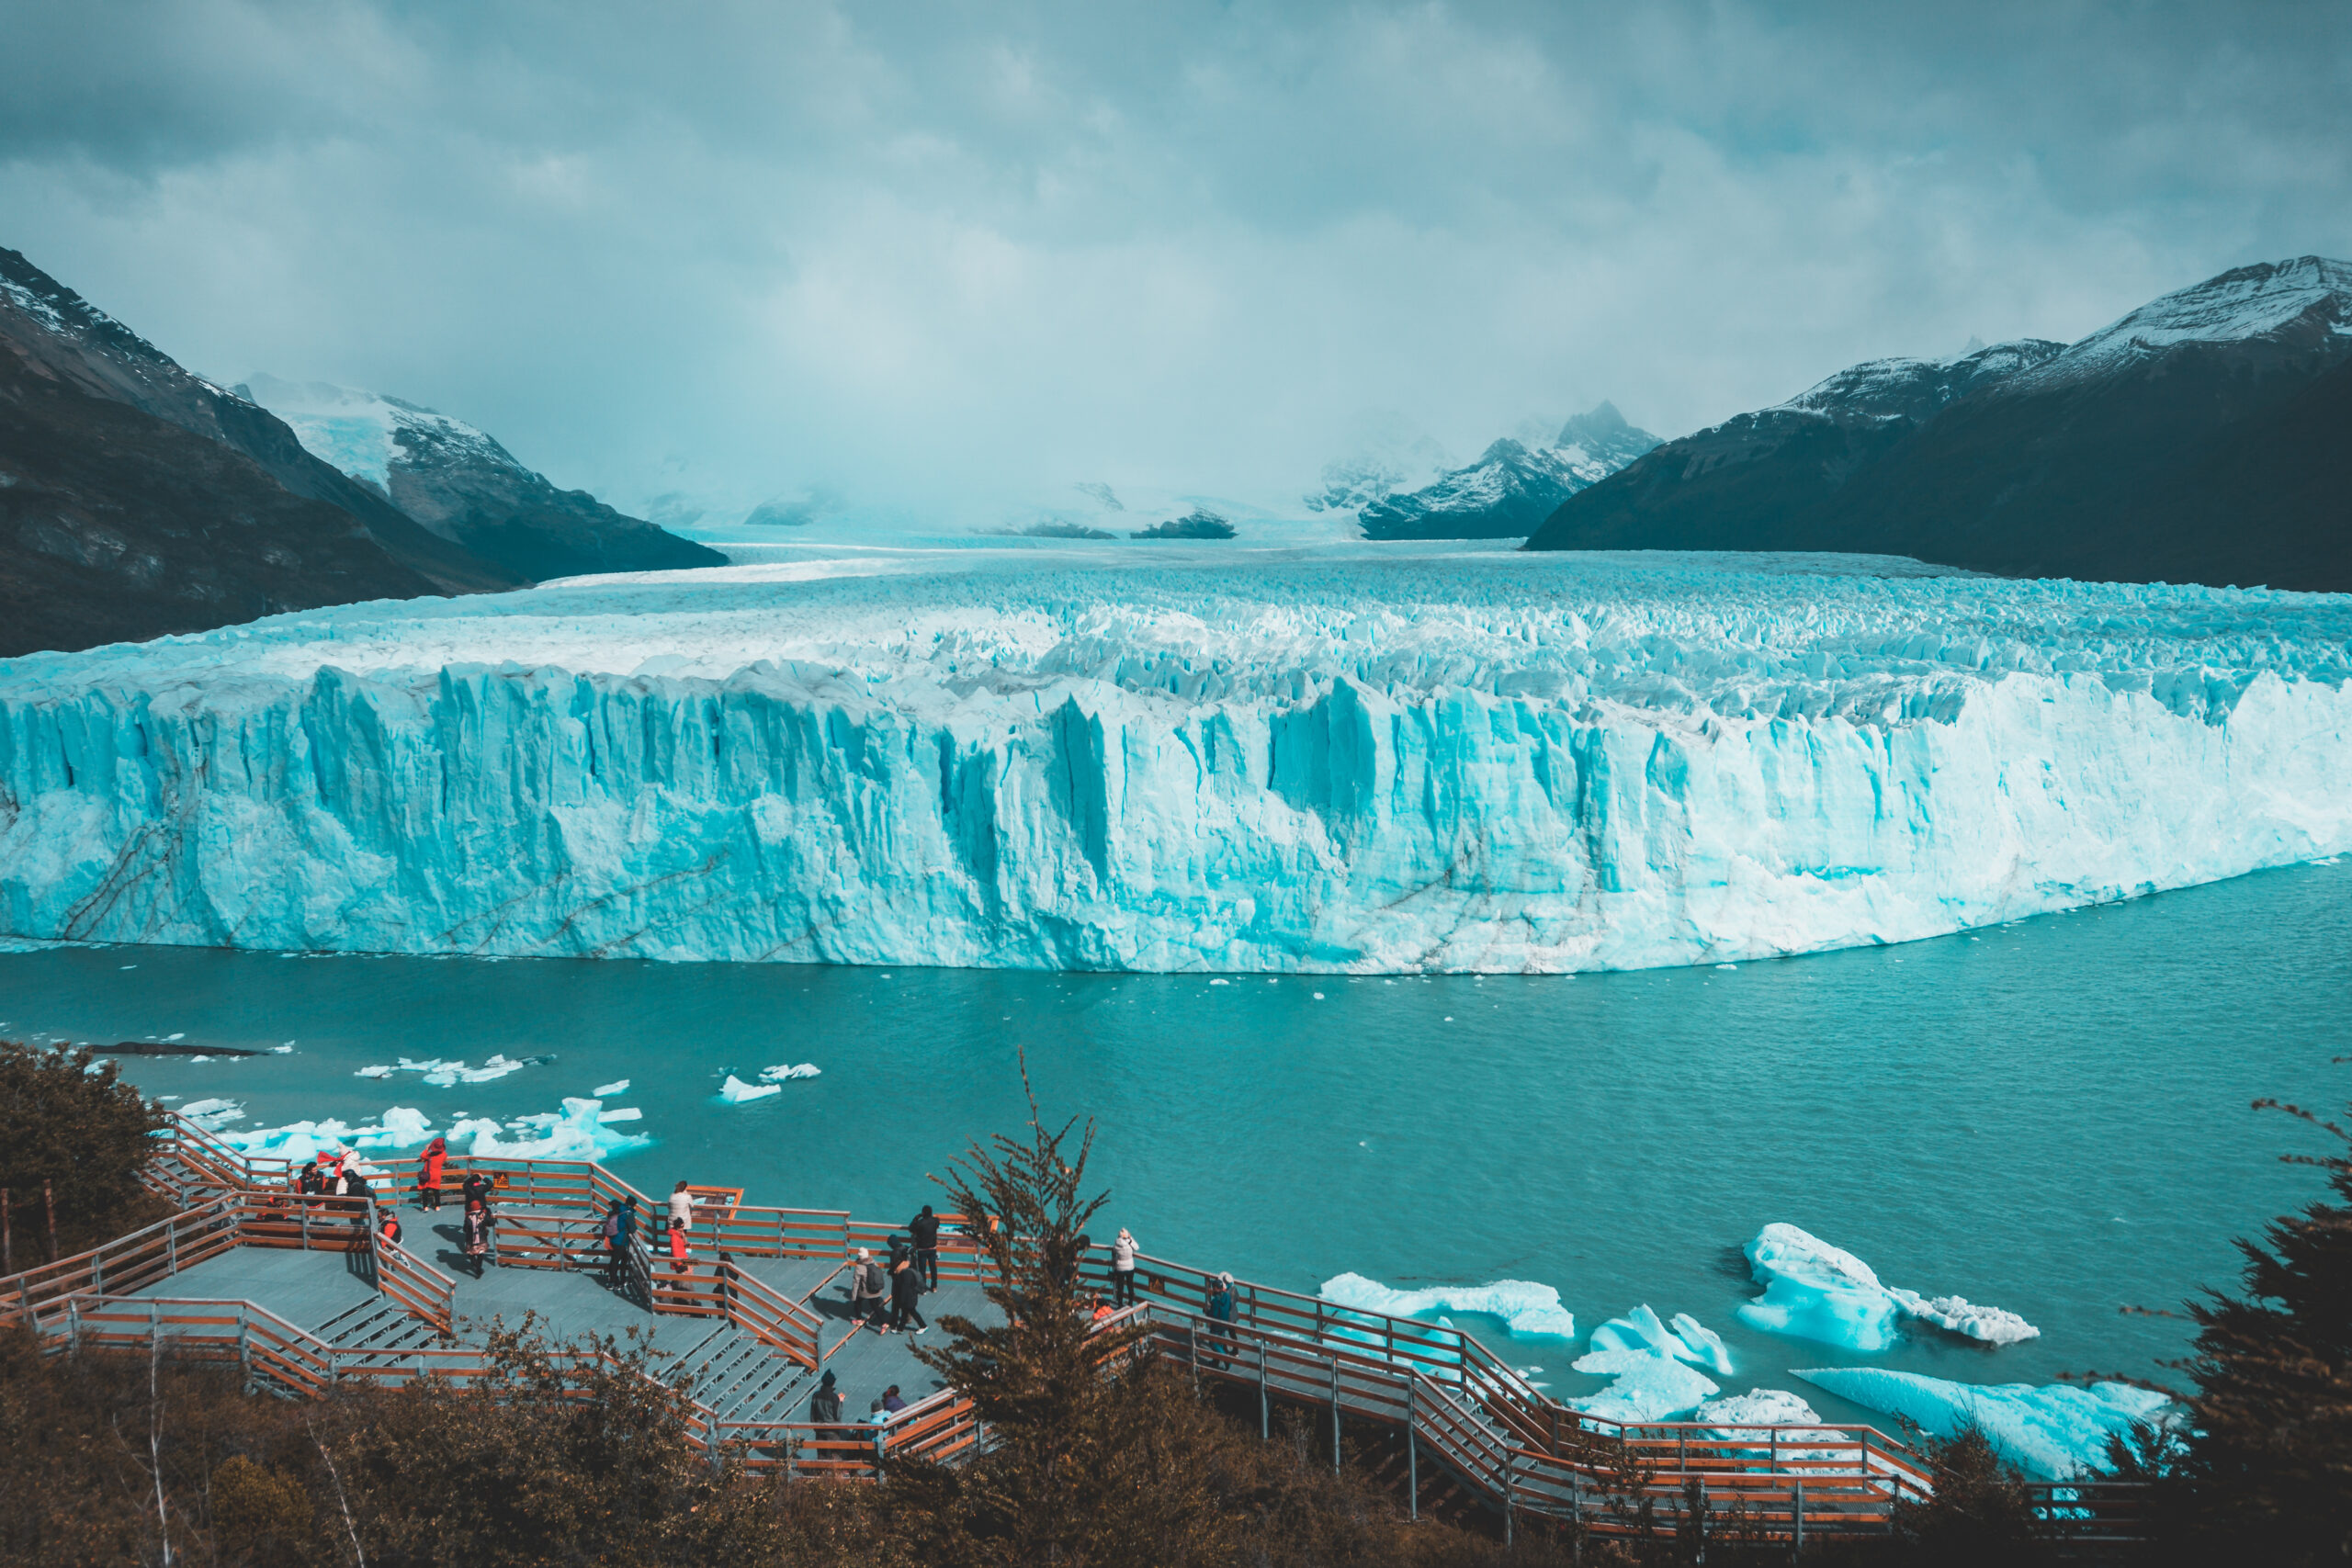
(868, 1285)
(1123, 1269)
(825, 1405)
(1221, 1304)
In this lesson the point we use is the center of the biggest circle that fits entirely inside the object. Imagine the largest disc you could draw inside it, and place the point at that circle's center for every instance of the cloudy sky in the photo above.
(940, 257)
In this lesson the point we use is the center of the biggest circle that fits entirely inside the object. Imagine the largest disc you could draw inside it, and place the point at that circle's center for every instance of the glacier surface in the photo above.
(1346, 758)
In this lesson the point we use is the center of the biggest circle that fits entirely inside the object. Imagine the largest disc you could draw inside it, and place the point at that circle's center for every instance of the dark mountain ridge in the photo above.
(50, 327)
(2201, 438)
(1512, 487)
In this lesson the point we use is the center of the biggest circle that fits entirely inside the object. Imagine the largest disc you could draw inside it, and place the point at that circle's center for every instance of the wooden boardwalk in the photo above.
(302, 1293)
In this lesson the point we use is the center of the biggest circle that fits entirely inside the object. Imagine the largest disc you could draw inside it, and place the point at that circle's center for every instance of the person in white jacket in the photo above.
(681, 1224)
(1123, 1270)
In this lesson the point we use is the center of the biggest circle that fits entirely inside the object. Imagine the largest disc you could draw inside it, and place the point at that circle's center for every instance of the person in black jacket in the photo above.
(906, 1294)
(825, 1405)
(924, 1228)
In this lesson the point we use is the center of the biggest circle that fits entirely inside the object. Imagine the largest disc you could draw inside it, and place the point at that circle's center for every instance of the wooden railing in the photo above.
(272, 1350)
(417, 1285)
(127, 1263)
(734, 1294)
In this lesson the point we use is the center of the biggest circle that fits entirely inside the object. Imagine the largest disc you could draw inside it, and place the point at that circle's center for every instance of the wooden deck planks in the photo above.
(306, 1289)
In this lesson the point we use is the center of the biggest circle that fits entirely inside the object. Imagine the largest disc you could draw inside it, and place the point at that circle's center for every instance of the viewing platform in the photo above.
(304, 1293)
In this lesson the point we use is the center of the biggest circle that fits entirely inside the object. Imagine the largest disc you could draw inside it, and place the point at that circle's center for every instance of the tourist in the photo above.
(906, 1294)
(890, 1400)
(313, 1179)
(1078, 1261)
(825, 1405)
(619, 1231)
(866, 1288)
(391, 1228)
(1096, 1308)
(477, 1188)
(880, 1419)
(474, 1236)
(1123, 1269)
(428, 1177)
(682, 1217)
(925, 1227)
(1221, 1306)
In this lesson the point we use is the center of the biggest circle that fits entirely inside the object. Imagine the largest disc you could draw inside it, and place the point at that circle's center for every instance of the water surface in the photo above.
(2051, 1117)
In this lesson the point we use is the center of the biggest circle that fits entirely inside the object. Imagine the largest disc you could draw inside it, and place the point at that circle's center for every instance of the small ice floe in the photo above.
(785, 1073)
(618, 1087)
(213, 1114)
(176, 1037)
(1655, 1366)
(2054, 1432)
(1815, 1290)
(1220, 982)
(1318, 996)
(442, 1074)
(1526, 1308)
(285, 1050)
(735, 1092)
(199, 1058)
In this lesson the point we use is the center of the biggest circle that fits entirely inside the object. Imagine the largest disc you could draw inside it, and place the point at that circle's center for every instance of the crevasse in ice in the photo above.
(1353, 760)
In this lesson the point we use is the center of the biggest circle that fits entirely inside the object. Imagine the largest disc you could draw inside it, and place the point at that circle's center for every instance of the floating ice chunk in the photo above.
(1528, 1310)
(627, 1114)
(781, 1074)
(374, 1072)
(1758, 1407)
(2054, 1432)
(399, 1127)
(735, 1092)
(602, 1090)
(577, 1131)
(1991, 1324)
(176, 1037)
(213, 1114)
(1702, 1346)
(1638, 1330)
(1815, 1290)
(285, 1050)
(1650, 1387)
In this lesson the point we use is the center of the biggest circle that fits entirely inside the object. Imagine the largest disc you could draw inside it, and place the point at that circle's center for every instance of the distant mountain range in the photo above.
(466, 488)
(138, 499)
(1512, 489)
(2205, 437)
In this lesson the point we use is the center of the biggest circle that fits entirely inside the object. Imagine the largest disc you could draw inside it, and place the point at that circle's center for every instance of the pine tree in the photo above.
(2266, 1471)
(75, 1124)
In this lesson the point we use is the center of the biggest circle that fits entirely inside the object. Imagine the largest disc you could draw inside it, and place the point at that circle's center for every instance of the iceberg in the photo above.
(1758, 1407)
(602, 1090)
(786, 1073)
(212, 1115)
(1815, 1290)
(2056, 1432)
(1527, 1310)
(1647, 1388)
(1646, 1358)
(442, 1074)
(735, 1092)
(1355, 758)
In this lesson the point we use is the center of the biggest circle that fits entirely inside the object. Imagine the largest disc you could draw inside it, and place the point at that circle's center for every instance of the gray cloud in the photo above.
(924, 257)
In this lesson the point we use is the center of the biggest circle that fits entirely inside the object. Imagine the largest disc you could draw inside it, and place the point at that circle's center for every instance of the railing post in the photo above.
(99, 1272)
(1335, 1415)
(1412, 1455)
(244, 1342)
(1193, 1332)
(1798, 1518)
(74, 1325)
(1773, 1464)
(1507, 1510)
(306, 1221)
(1265, 1415)
(171, 1246)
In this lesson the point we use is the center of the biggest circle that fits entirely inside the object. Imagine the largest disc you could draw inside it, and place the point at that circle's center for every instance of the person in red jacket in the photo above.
(428, 1180)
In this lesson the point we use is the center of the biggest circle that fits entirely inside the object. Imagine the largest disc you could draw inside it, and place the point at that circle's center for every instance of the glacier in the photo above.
(1815, 1290)
(1346, 758)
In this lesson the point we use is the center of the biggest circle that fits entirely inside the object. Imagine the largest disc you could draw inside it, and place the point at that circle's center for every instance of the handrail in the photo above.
(414, 1283)
(768, 1316)
(140, 1257)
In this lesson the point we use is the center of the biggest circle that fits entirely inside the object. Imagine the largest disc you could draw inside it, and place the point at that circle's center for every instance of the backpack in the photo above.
(611, 1229)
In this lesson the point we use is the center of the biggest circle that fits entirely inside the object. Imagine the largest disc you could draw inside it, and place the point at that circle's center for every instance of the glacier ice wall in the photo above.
(1367, 758)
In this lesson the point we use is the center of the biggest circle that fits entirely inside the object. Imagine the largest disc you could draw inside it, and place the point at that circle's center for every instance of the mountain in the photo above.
(1509, 491)
(137, 499)
(463, 486)
(56, 334)
(2202, 438)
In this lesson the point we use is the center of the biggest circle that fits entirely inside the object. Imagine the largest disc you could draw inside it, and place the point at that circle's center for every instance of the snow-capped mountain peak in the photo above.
(364, 433)
(2299, 304)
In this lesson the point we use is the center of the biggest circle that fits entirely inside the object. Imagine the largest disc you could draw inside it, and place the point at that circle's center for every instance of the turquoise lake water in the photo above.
(2051, 1117)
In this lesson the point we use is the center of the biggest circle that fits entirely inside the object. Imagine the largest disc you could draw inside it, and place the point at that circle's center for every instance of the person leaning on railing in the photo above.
(619, 1232)
(1221, 1304)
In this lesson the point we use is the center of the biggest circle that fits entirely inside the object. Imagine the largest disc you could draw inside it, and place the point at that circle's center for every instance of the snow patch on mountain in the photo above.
(2305, 302)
